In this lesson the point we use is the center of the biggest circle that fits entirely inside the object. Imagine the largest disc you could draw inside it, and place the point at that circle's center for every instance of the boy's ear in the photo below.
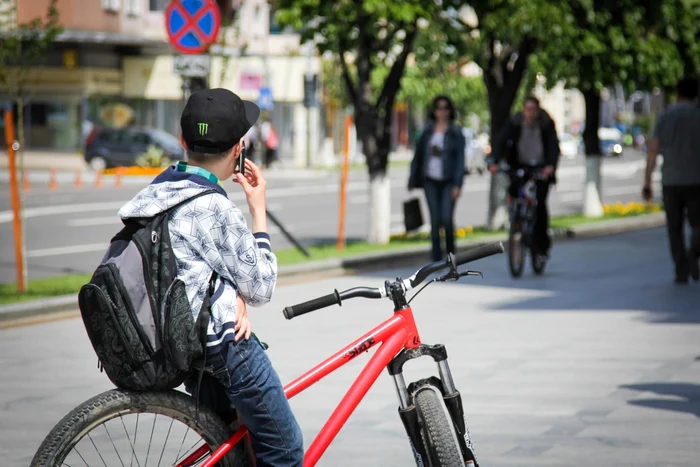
(237, 148)
(182, 143)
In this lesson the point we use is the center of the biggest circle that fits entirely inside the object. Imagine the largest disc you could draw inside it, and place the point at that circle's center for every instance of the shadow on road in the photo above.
(630, 272)
(687, 396)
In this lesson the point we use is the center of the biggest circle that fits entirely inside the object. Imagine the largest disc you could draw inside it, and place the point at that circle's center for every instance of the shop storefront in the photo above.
(56, 104)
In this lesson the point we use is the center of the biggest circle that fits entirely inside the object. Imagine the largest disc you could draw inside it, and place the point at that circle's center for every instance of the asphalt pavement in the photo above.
(594, 363)
(67, 229)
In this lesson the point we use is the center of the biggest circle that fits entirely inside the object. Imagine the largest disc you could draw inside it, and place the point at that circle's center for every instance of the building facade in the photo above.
(113, 65)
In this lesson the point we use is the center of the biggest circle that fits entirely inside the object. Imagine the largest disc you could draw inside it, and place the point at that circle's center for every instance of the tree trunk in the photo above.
(375, 145)
(497, 217)
(20, 136)
(592, 203)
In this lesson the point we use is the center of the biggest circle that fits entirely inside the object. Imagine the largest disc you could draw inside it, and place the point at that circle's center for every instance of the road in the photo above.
(67, 230)
(594, 363)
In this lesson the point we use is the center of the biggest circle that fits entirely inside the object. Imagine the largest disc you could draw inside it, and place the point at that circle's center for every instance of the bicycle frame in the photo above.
(395, 334)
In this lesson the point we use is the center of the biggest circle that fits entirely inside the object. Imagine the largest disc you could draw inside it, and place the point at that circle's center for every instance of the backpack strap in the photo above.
(202, 327)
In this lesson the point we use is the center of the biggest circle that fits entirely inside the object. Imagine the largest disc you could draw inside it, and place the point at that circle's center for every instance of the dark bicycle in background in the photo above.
(522, 210)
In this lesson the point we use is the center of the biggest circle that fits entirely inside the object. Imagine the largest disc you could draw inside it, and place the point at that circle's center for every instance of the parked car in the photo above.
(610, 147)
(110, 147)
(611, 140)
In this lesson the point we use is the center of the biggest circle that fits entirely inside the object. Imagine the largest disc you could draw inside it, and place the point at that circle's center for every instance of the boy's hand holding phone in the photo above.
(254, 186)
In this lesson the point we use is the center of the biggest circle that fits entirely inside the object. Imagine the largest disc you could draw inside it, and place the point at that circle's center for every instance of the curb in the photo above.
(370, 261)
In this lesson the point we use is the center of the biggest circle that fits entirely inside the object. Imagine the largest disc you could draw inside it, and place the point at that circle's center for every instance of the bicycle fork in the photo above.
(450, 395)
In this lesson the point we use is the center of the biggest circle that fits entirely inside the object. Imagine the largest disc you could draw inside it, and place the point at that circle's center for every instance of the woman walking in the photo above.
(438, 168)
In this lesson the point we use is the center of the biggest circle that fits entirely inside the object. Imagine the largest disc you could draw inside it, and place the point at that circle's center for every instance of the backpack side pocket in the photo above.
(180, 337)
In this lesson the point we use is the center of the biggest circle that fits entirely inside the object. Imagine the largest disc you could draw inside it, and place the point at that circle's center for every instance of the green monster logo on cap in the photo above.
(203, 128)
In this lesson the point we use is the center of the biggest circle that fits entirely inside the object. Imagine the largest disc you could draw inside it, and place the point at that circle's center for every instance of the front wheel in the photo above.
(437, 431)
(119, 427)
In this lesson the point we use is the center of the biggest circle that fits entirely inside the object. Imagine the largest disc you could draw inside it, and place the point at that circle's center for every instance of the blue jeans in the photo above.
(442, 207)
(243, 377)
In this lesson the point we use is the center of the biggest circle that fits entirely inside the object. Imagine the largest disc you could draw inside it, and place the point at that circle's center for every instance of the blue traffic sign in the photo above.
(192, 25)
(265, 101)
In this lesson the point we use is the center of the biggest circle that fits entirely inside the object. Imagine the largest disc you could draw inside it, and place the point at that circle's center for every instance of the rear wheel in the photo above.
(516, 248)
(437, 431)
(118, 426)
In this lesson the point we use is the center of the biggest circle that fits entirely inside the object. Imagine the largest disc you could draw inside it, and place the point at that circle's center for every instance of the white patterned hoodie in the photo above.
(209, 233)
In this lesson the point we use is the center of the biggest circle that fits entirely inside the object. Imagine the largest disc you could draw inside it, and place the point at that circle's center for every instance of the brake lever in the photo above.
(451, 276)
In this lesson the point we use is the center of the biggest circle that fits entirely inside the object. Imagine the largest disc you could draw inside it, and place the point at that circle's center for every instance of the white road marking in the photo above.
(67, 250)
(91, 221)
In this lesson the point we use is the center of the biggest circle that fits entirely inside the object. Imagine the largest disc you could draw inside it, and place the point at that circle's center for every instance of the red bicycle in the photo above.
(430, 408)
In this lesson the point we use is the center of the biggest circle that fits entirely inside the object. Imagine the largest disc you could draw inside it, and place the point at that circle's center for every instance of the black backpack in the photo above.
(136, 312)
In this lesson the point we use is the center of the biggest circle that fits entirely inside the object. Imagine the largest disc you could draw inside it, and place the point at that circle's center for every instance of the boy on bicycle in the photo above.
(209, 234)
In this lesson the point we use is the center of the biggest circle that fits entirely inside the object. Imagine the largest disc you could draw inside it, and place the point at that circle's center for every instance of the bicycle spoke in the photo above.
(126, 432)
(97, 450)
(165, 442)
(136, 432)
(187, 453)
(81, 457)
(150, 441)
(113, 445)
(181, 444)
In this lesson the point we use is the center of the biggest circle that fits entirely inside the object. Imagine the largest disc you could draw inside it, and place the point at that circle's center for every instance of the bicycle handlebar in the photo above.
(460, 259)
(336, 298)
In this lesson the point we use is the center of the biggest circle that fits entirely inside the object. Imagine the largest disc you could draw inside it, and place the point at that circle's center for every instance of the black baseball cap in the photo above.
(215, 120)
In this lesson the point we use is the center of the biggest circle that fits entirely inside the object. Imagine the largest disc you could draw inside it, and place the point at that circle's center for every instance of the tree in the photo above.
(23, 46)
(437, 69)
(367, 37)
(611, 42)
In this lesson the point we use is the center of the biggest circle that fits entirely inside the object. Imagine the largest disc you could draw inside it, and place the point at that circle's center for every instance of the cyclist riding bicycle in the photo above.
(530, 139)
(209, 235)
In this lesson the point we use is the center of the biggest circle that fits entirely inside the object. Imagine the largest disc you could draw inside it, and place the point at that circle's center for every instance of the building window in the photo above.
(111, 5)
(157, 5)
(133, 7)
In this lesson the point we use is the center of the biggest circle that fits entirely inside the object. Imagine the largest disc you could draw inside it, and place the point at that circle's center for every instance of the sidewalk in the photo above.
(46, 160)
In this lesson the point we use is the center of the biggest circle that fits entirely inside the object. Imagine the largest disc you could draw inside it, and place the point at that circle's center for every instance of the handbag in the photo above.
(412, 215)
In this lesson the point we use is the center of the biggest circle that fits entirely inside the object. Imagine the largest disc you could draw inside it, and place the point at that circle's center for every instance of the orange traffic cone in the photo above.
(26, 186)
(98, 179)
(53, 184)
(78, 179)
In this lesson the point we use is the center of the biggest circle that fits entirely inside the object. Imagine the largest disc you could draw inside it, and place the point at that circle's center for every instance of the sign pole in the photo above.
(344, 183)
(12, 146)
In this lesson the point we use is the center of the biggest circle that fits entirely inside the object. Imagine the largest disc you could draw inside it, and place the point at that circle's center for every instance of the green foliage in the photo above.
(371, 41)
(619, 42)
(24, 45)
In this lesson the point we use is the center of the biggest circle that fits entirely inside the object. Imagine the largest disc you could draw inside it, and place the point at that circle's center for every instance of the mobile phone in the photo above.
(241, 160)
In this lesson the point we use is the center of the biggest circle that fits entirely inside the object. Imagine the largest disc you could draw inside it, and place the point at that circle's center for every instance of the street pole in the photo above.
(309, 77)
(12, 146)
(308, 138)
(185, 89)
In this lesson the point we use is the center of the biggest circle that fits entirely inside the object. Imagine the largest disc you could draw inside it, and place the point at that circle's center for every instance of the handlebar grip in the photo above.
(312, 305)
(479, 253)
